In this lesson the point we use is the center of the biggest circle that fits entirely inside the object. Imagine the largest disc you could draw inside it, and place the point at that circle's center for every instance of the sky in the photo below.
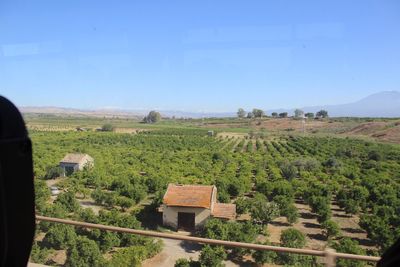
(197, 55)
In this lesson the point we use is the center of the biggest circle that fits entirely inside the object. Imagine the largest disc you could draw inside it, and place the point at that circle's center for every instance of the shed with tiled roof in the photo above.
(75, 162)
(188, 207)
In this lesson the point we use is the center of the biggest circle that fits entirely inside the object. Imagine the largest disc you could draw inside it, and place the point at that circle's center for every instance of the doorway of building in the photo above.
(186, 221)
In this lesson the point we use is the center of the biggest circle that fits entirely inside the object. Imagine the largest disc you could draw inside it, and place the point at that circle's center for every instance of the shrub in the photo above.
(347, 245)
(331, 229)
(60, 236)
(212, 256)
(107, 127)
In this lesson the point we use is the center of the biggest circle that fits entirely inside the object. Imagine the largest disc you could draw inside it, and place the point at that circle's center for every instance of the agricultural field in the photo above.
(291, 188)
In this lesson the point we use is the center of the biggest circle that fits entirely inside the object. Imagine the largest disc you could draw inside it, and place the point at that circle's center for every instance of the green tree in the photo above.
(258, 113)
(250, 115)
(274, 114)
(331, 229)
(262, 257)
(216, 229)
(53, 173)
(212, 256)
(68, 201)
(60, 236)
(353, 199)
(292, 238)
(242, 232)
(321, 206)
(108, 127)
(322, 114)
(242, 205)
(262, 210)
(287, 208)
(42, 194)
(241, 113)
(347, 245)
(108, 240)
(39, 255)
(152, 117)
(309, 115)
(283, 115)
(182, 263)
(84, 253)
(124, 202)
(298, 113)
(379, 230)
(288, 170)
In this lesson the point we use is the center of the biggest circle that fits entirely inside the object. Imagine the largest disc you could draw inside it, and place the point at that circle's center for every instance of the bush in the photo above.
(107, 127)
(292, 238)
(262, 210)
(53, 173)
(262, 257)
(288, 171)
(212, 256)
(85, 253)
(38, 254)
(68, 201)
(347, 245)
(60, 236)
(242, 205)
(331, 229)
(182, 263)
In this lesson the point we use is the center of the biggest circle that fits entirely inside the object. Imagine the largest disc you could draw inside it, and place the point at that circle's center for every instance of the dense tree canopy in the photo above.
(362, 177)
(152, 117)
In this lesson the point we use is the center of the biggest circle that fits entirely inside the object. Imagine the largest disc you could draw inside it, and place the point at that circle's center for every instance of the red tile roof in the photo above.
(225, 211)
(198, 196)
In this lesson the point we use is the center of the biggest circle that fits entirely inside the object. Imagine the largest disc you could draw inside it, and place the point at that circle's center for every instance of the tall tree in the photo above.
(241, 113)
(152, 117)
(283, 115)
(258, 113)
(322, 114)
(298, 113)
(212, 256)
(85, 253)
(262, 210)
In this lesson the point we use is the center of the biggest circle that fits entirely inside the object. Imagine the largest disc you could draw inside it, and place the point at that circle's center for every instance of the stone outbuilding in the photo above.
(188, 207)
(75, 162)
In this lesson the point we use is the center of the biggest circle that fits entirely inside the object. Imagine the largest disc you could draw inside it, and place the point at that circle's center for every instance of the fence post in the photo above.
(330, 257)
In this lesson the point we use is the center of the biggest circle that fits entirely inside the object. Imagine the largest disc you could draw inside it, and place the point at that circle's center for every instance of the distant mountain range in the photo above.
(382, 104)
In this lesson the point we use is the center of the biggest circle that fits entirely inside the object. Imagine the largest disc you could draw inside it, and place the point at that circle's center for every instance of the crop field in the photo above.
(341, 192)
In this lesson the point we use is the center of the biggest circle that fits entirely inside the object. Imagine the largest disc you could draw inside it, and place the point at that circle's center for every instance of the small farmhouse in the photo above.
(188, 207)
(75, 162)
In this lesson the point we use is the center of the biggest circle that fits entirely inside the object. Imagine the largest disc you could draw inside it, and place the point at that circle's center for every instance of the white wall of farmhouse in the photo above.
(170, 215)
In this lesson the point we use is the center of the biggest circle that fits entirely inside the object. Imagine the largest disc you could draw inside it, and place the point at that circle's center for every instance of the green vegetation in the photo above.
(152, 117)
(108, 127)
(265, 177)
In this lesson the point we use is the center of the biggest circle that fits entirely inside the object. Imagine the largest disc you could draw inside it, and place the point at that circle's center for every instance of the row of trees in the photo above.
(298, 113)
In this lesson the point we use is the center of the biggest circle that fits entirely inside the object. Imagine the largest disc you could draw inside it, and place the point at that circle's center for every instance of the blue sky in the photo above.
(197, 55)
